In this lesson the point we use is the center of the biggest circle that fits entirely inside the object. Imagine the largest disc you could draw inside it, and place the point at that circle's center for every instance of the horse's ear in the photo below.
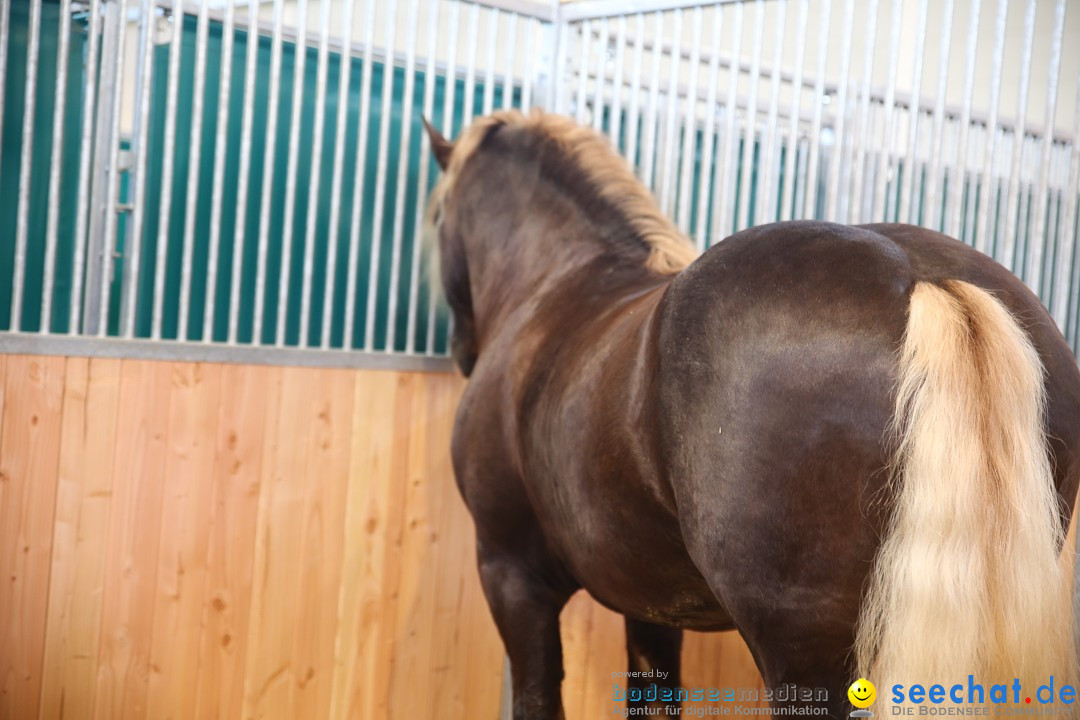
(439, 145)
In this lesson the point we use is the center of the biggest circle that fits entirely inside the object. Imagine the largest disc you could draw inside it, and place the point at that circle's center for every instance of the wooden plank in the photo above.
(185, 516)
(3, 375)
(80, 539)
(385, 565)
(372, 524)
(269, 668)
(453, 563)
(414, 599)
(134, 537)
(29, 456)
(231, 536)
(328, 415)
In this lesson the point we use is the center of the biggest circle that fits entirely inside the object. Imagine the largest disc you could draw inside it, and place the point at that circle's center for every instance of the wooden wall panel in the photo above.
(237, 472)
(221, 541)
(29, 455)
(80, 541)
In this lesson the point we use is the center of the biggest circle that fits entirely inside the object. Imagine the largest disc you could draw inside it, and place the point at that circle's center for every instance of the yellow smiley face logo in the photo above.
(862, 693)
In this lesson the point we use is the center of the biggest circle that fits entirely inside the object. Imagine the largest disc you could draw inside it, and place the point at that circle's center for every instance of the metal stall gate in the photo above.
(163, 178)
(743, 113)
(179, 182)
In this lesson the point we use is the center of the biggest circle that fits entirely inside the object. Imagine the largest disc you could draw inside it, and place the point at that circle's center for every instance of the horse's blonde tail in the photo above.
(968, 580)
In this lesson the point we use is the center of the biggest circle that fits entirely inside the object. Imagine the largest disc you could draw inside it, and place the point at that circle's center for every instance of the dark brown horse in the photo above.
(857, 446)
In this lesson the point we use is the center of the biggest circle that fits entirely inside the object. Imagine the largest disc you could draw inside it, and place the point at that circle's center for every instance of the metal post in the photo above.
(1039, 238)
(220, 150)
(22, 224)
(57, 149)
(143, 73)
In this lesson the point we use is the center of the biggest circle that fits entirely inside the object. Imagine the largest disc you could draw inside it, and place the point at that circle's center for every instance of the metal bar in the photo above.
(403, 172)
(143, 74)
(882, 175)
(530, 64)
(667, 189)
(537, 9)
(560, 31)
(1038, 239)
(704, 211)
(5, 32)
(273, 111)
(169, 350)
(132, 266)
(991, 125)
(787, 190)
(937, 141)
(1056, 263)
(85, 152)
(243, 182)
(287, 230)
(649, 146)
(583, 59)
(447, 130)
(810, 210)
(470, 66)
(839, 137)
(22, 222)
(361, 174)
(597, 9)
(769, 140)
(1008, 255)
(685, 188)
(489, 61)
(981, 240)
(333, 227)
(970, 220)
(633, 119)
(725, 169)
(908, 185)
(165, 206)
(1065, 282)
(53, 215)
(1001, 191)
(615, 126)
(311, 223)
(601, 77)
(746, 166)
(802, 162)
(422, 180)
(194, 162)
(380, 172)
(1022, 222)
(221, 140)
(862, 132)
(111, 210)
(509, 49)
(953, 226)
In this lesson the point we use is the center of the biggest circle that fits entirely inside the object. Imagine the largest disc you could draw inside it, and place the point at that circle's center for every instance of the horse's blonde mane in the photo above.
(603, 169)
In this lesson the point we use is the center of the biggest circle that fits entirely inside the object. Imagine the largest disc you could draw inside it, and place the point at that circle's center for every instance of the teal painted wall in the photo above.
(46, 97)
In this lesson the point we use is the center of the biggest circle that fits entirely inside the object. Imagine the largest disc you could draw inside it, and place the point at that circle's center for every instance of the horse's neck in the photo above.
(552, 260)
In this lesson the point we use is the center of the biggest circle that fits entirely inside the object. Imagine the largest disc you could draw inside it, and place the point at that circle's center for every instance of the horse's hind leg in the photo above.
(651, 649)
(526, 610)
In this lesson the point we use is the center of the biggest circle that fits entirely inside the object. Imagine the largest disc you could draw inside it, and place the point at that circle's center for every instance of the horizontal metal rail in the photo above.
(34, 344)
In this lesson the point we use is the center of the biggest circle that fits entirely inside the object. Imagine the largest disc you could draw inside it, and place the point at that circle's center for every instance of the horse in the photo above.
(858, 446)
